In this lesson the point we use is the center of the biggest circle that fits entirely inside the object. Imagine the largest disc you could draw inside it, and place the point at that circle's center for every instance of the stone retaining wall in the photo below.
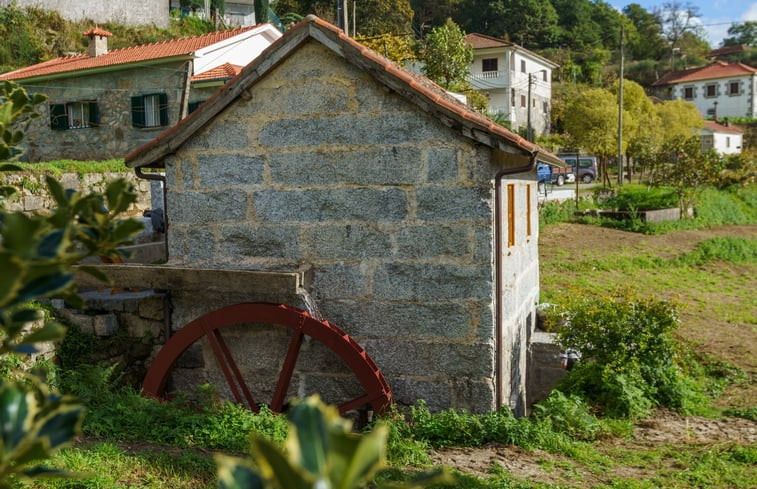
(32, 193)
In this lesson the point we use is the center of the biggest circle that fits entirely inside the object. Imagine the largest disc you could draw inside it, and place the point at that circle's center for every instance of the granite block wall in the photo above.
(393, 210)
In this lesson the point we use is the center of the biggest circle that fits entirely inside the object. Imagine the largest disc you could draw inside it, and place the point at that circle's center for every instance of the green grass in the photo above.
(58, 167)
(106, 465)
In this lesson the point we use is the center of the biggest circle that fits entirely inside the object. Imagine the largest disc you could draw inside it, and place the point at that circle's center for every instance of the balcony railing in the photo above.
(487, 75)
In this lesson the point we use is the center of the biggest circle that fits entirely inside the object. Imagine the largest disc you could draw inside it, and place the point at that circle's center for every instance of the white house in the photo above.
(724, 139)
(719, 89)
(514, 78)
(237, 13)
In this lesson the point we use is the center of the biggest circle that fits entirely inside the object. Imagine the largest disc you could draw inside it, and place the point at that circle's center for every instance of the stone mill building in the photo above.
(415, 216)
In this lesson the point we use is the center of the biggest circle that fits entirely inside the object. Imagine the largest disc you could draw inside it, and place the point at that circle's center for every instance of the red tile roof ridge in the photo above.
(97, 31)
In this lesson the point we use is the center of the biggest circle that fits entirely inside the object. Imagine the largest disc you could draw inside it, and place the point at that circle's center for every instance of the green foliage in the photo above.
(628, 351)
(320, 451)
(120, 413)
(446, 56)
(569, 415)
(730, 249)
(36, 254)
(398, 48)
(746, 413)
(742, 33)
(641, 197)
(35, 422)
(17, 108)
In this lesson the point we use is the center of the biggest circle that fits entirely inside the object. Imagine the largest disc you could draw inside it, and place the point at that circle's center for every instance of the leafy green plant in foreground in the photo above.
(320, 452)
(36, 253)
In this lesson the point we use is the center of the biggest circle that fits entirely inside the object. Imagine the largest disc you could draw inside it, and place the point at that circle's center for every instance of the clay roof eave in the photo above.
(420, 91)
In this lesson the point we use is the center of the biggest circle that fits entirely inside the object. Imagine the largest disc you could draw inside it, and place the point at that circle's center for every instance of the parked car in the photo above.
(587, 166)
(554, 174)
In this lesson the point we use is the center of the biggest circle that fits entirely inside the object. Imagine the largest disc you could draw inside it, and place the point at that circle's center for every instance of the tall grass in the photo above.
(58, 167)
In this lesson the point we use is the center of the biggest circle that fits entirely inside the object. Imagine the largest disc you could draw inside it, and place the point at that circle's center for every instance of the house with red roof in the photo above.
(723, 138)
(104, 103)
(415, 216)
(719, 89)
(513, 78)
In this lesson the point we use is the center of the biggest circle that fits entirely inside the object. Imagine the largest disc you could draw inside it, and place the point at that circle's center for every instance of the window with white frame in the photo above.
(711, 90)
(74, 115)
(733, 88)
(489, 64)
(688, 93)
(523, 66)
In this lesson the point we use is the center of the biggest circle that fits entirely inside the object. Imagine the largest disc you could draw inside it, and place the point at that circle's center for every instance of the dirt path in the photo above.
(664, 428)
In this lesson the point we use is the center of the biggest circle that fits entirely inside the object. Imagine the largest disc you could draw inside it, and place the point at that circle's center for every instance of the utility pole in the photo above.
(620, 113)
(346, 11)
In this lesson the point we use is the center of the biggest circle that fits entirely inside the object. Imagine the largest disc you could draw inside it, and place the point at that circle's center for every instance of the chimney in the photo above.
(98, 41)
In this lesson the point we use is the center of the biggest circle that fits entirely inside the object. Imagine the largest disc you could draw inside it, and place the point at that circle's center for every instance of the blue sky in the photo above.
(717, 15)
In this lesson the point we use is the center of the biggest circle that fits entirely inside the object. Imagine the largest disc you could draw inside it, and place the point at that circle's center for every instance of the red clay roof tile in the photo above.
(718, 69)
(134, 54)
(226, 70)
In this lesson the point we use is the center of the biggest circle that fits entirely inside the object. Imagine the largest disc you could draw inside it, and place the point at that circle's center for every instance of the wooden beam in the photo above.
(167, 277)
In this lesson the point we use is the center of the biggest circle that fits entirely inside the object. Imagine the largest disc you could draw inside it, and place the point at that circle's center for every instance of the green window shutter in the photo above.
(194, 105)
(94, 114)
(163, 101)
(138, 111)
(58, 117)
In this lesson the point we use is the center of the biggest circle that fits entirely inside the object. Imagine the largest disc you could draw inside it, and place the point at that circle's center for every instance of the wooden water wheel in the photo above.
(376, 392)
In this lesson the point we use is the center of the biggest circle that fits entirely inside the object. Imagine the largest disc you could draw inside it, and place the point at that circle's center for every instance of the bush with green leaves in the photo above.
(628, 354)
(36, 256)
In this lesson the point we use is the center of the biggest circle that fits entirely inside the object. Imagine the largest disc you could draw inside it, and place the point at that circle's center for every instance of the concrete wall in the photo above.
(115, 135)
(131, 13)
(393, 210)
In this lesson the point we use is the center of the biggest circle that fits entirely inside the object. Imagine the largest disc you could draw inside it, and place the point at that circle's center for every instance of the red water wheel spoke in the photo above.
(229, 368)
(376, 390)
(287, 369)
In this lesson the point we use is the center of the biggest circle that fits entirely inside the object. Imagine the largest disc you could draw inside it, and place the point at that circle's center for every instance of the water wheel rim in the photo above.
(376, 389)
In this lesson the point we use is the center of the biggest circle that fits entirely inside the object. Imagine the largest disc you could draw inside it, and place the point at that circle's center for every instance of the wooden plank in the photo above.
(168, 277)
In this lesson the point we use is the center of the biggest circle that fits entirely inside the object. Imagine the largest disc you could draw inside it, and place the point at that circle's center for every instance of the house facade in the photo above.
(725, 139)
(130, 13)
(415, 215)
(513, 78)
(104, 104)
(719, 89)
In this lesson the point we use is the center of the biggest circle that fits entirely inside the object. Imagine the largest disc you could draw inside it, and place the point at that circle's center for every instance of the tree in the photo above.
(446, 55)
(376, 17)
(647, 41)
(398, 48)
(686, 167)
(678, 118)
(641, 123)
(36, 254)
(430, 13)
(676, 19)
(744, 33)
(531, 23)
(590, 120)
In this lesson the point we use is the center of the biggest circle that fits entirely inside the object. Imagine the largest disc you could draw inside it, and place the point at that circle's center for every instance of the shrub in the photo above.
(568, 414)
(641, 197)
(628, 350)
